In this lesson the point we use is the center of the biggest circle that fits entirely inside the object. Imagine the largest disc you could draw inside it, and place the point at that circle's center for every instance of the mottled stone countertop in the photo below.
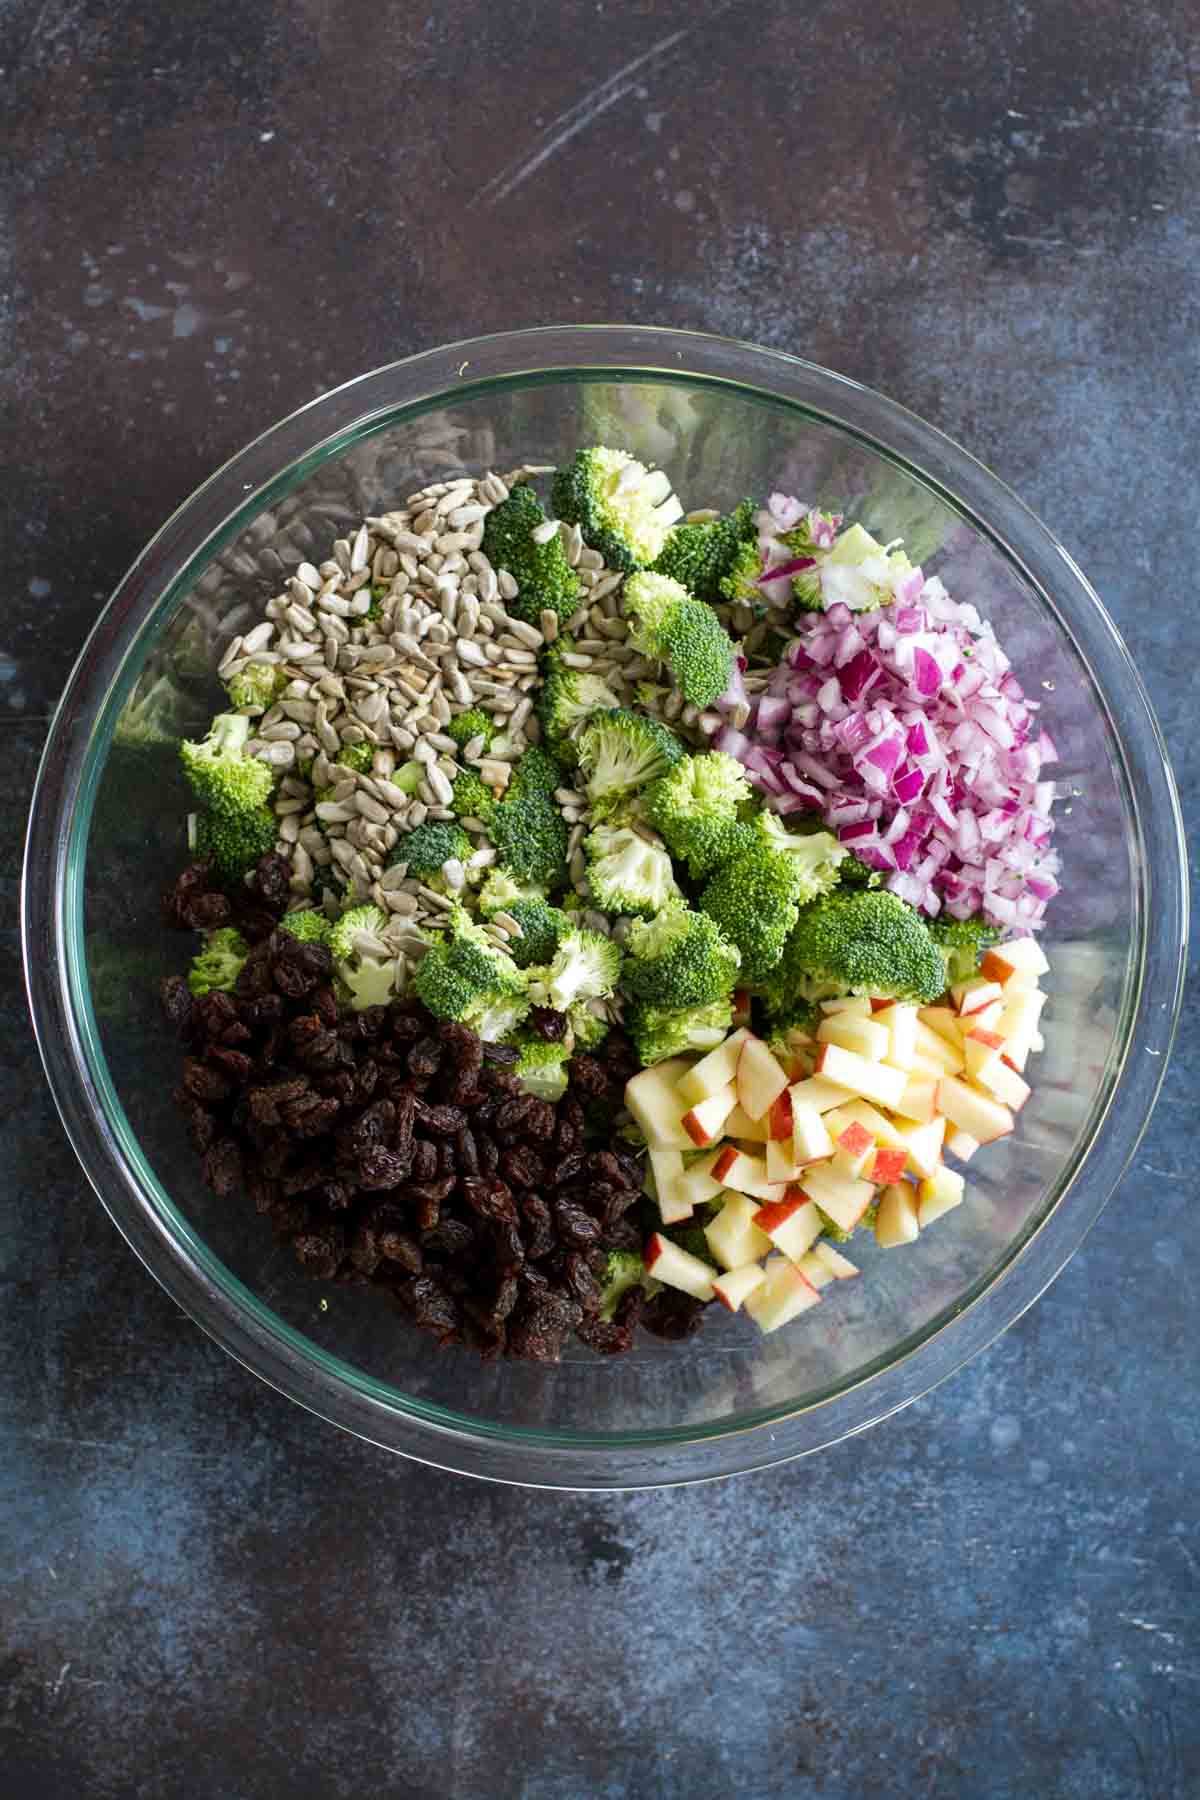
(210, 213)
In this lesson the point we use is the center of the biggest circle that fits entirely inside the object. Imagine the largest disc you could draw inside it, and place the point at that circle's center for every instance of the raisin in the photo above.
(223, 1166)
(424, 1161)
(466, 1153)
(547, 1024)
(204, 1083)
(491, 1199)
(575, 1226)
(425, 1057)
(440, 1121)
(673, 1315)
(588, 1076)
(176, 1001)
(522, 1167)
(272, 881)
(234, 1062)
(379, 1169)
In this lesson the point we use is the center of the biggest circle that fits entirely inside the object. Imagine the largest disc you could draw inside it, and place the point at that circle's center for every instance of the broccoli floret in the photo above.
(740, 581)
(679, 958)
(701, 556)
(527, 828)
(624, 1270)
(542, 1067)
(753, 899)
(566, 700)
(358, 757)
(661, 1031)
(962, 942)
(695, 806)
(223, 778)
(858, 570)
(497, 1017)
(854, 873)
(856, 941)
(466, 974)
(588, 1029)
(665, 623)
(219, 964)
(500, 892)
(363, 964)
(545, 579)
(585, 966)
(620, 751)
(237, 841)
(428, 847)
(623, 509)
(472, 724)
(816, 855)
(257, 686)
(307, 924)
(472, 798)
(543, 928)
(627, 872)
(342, 936)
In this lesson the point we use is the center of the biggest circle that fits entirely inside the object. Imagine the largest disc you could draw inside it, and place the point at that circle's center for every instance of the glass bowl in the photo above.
(105, 839)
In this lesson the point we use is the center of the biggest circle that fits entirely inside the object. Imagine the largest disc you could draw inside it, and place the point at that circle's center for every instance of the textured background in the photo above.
(211, 212)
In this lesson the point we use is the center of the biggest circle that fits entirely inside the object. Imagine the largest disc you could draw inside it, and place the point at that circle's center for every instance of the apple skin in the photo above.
(779, 1119)
(888, 1167)
(724, 1163)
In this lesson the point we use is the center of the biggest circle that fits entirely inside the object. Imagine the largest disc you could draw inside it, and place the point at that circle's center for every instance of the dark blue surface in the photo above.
(212, 213)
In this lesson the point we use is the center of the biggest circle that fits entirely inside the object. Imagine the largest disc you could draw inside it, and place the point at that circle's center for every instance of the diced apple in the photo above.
(886, 1166)
(678, 1268)
(666, 1170)
(984, 1119)
(853, 1149)
(792, 1224)
(705, 1122)
(900, 1020)
(818, 1093)
(741, 1007)
(654, 1102)
(919, 1099)
(697, 1183)
(1003, 1083)
(814, 1270)
(1019, 957)
(841, 1199)
(863, 1036)
(1018, 1024)
(779, 1119)
(944, 1020)
(746, 1174)
(938, 1194)
(933, 1048)
(923, 1144)
(783, 1295)
(971, 996)
(781, 1160)
(1037, 1044)
(873, 1081)
(738, 1125)
(896, 1222)
(961, 1144)
(839, 1266)
(810, 1134)
(735, 1285)
(713, 1072)
(760, 1080)
(880, 1127)
(849, 1005)
(733, 1237)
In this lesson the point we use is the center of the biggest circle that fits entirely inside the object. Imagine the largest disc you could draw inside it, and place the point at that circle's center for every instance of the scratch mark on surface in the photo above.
(1149, 1625)
(570, 123)
(1163, 1174)
(56, 1690)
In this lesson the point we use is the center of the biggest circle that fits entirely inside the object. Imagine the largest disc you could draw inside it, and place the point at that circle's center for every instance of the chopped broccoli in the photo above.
(665, 623)
(628, 872)
(695, 806)
(756, 896)
(219, 964)
(496, 1016)
(816, 855)
(472, 798)
(585, 966)
(858, 941)
(224, 779)
(545, 579)
(623, 1271)
(962, 942)
(307, 924)
(358, 757)
(661, 1031)
(679, 958)
(542, 1067)
(588, 1029)
(566, 700)
(343, 937)
(500, 891)
(858, 571)
(527, 828)
(623, 509)
(464, 975)
(854, 873)
(543, 928)
(428, 847)
(620, 751)
(472, 724)
(257, 686)
(700, 556)
(740, 581)
(237, 841)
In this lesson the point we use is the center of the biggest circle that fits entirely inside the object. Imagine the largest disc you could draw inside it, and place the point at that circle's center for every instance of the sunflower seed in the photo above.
(506, 583)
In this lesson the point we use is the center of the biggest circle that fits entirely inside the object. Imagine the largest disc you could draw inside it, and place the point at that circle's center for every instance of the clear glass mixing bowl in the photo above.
(105, 838)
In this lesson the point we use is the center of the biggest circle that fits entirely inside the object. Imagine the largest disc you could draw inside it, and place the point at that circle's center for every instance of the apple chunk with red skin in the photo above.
(713, 1072)
(760, 1080)
(782, 1296)
(678, 1268)
(792, 1224)
(705, 1122)
(736, 1285)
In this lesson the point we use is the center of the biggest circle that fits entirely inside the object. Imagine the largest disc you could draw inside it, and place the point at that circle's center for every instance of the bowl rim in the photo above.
(51, 899)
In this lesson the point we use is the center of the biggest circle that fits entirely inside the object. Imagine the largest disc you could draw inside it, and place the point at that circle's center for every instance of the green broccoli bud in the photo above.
(665, 623)
(219, 964)
(256, 687)
(408, 777)
(359, 921)
(496, 1017)
(472, 724)
(962, 943)
(661, 1031)
(499, 892)
(624, 1270)
(585, 966)
(223, 778)
(428, 847)
(527, 828)
(308, 925)
(679, 958)
(753, 898)
(472, 798)
(358, 757)
(545, 579)
(628, 872)
(588, 1029)
(856, 941)
(466, 973)
(543, 928)
(237, 841)
(566, 700)
(695, 806)
(739, 583)
(620, 751)
(542, 1067)
(701, 556)
(622, 509)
